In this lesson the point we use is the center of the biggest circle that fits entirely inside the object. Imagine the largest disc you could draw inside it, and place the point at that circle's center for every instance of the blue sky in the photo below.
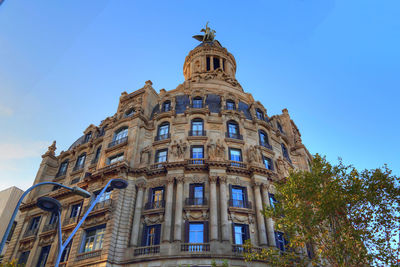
(333, 64)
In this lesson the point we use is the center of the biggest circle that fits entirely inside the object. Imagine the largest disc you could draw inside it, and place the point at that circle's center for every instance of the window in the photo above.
(80, 162)
(285, 152)
(197, 128)
(23, 258)
(34, 223)
(151, 235)
(97, 155)
(102, 130)
(216, 63)
(116, 158)
(238, 196)
(197, 152)
(63, 168)
(281, 241)
(75, 180)
(104, 196)
(65, 253)
(235, 154)
(264, 139)
(196, 194)
(156, 198)
(166, 106)
(44, 254)
(230, 105)
(272, 200)
(233, 130)
(268, 163)
(163, 131)
(240, 233)
(259, 114)
(75, 210)
(87, 137)
(279, 127)
(196, 233)
(197, 102)
(11, 231)
(208, 64)
(129, 112)
(53, 218)
(93, 238)
(161, 155)
(121, 134)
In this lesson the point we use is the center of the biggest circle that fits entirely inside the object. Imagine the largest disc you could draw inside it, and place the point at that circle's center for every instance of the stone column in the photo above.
(269, 221)
(138, 213)
(224, 208)
(178, 209)
(213, 209)
(262, 235)
(168, 209)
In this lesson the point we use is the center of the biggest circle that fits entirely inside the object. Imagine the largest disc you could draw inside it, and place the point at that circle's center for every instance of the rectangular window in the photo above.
(196, 233)
(44, 254)
(156, 198)
(197, 152)
(208, 63)
(104, 196)
(240, 233)
(75, 210)
(238, 196)
(196, 194)
(268, 163)
(53, 218)
(23, 258)
(151, 235)
(279, 127)
(161, 155)
(281, 241)
(93, 238)
(116, 158)
(34, 223)
(272, 200)
(80, 162)
(216, 63)
(63, 169)
(65, 253)
(12, 231)
(235, 154)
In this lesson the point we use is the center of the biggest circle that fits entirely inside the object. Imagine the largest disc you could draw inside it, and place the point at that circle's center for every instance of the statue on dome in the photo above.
(208, 36)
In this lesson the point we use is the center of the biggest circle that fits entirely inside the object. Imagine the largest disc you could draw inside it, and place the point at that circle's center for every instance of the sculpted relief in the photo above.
(215, 150)
(178, 149)
(254, 155)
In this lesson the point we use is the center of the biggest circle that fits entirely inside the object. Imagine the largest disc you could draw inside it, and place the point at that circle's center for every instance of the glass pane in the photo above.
(163, 130)
(197, 126)
(238, 235)
(232, 128)
(197, 152)
(235, 155)
(196, 233)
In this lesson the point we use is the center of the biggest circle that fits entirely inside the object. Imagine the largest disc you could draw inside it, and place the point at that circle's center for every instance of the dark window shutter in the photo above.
(230, 191)
(204, 189)
(150, 199)
(186, 231)
(205, 232)
(191, 191)
(144, 235)
(246, 232)
(245, 194)
(158, 233)
(233, 234)
(163, 193)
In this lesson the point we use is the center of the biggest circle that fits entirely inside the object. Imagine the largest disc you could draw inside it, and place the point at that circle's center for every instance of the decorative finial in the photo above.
(51, 149)
(208, 36)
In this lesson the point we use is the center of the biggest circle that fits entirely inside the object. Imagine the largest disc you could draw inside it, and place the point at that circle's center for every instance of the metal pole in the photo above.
(91, 206)
(3, 241)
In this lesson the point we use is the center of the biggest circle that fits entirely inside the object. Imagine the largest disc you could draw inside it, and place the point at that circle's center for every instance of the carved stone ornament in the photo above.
(145, 155)
(149, 220)
(45, 240)
(180, 179)
(170, 179)
(215, 150)
(26, 245)
(94, 220)
(195, 215)
(141, 184)
(197, 179)
(222, 179)
(248, 219)
(254, 155)
(281, 167)
(51, 150)
(236, 181)
(213, 179)
(155, 183)
(179, 149)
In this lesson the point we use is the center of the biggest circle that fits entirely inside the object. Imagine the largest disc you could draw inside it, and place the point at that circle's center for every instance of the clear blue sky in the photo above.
(334, 65)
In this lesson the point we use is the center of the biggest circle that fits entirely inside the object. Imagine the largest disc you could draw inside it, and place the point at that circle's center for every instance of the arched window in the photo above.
(259, 114)
(63, 168)
(166, 106)
(285, 153)
(87, 137)
(230, 105)
(129, 112)
(197, 128)
(197, 102)
(264, 139)
(163, 131)
(233, 130)
(121, 134)
(80, 162)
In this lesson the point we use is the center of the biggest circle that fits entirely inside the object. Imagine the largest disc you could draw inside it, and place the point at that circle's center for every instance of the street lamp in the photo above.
(112, 184)
(45, 205)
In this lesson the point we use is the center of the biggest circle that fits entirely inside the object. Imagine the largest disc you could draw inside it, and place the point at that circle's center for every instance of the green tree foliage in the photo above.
(342, 216)
(12, 263)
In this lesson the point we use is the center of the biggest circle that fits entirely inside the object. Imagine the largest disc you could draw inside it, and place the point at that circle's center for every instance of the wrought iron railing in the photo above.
(237, 203)
(157, 166)
(154, 205)
(78, 167)
(162, 137)
(234, 135)
(197, 133)
(266, 145)
(118, 141)
(87, 255)
(196, 161)
(196, 201)
(146, 250)
(195, 247)
(31, 232)
(49, 227)
(237, 164)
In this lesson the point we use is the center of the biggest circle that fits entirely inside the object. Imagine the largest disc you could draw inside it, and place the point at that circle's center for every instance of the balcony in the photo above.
(118, 142)
(157, 166)
(102, 205)
(87, 255)
(162, 137)
(49, 227)
(233, 136)
(154, 205)
(31, 232)
(196, 161)
(195, 201)
(237, 164)
(197, 133)
(195, 247)
(239, 249)
(237, 203)
(78, 167)
(266, 145)
(149, 250)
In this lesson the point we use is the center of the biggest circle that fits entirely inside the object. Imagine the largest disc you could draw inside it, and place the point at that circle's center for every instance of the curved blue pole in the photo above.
(91, 206)
(3, 241)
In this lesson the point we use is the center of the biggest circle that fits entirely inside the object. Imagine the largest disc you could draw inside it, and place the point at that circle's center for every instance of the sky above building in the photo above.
(333, 64)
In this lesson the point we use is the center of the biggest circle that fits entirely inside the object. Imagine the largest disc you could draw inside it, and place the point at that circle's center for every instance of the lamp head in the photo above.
(119, 183)
(48, 204)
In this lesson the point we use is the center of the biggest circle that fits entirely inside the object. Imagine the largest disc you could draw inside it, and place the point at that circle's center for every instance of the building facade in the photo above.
(200, 160)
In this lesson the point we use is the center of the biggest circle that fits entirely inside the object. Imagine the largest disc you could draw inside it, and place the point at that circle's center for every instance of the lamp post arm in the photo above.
(91, 206)
(7, 232)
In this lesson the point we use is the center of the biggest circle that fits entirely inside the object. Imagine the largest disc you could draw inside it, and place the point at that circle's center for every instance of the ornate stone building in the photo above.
(201, 161)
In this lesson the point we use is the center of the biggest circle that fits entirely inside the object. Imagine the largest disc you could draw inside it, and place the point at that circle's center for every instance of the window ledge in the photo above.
(234, 140)
(160, 142)
(87, 255)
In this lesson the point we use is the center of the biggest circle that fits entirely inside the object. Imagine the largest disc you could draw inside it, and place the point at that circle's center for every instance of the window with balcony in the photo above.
(151, 235)
(197, 128)
(75, 210)
(34, 224)
(235, 154)
(233, 130)
(97, 155)
(285, 152)
(120, 136)
(166, 106)
(279, 127)
(23, 258)
(63, 168)
(238, 196)
(115, 159)
(196, 195)
(88, 136)
(230, 105)
(65, 253)
(197, 102)
(44, 254)
(197, 154)
(259, 114)
(264, 139)
(93, 238)
(161, 156)
(196, 234)
(240, 233)
(156, 198)
(163, 131)
(80, 162)
(281, 242)
(268, 163)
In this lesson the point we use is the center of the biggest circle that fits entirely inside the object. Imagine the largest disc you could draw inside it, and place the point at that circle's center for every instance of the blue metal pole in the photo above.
(3, 241)
(91, 206)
